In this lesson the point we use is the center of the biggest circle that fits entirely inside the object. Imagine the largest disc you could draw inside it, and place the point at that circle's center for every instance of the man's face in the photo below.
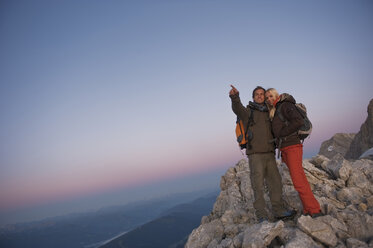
(259, 96)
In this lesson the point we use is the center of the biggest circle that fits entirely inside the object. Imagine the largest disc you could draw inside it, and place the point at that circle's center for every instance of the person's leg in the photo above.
(257, 178)
(292, 156)
(274, 183)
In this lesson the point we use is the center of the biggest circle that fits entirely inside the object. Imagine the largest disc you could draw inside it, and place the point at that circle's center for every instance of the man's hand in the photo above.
(233, 91)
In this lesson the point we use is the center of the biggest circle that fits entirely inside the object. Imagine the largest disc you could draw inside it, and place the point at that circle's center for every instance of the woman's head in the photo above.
(271, 96)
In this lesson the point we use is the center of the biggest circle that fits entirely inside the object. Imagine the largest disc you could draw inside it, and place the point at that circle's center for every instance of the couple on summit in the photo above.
(266, 125)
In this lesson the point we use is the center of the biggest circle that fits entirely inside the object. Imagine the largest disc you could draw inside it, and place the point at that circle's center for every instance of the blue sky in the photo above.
(97, 96)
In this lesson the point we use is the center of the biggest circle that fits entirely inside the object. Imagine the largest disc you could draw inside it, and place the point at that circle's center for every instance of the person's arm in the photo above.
(294, 118)
(237, 107)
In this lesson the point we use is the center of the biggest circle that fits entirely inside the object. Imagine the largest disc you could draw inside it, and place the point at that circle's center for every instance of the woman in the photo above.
(290, 146)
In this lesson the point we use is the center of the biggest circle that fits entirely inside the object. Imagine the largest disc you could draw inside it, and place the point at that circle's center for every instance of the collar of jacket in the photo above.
(276, 101)
(257, 106)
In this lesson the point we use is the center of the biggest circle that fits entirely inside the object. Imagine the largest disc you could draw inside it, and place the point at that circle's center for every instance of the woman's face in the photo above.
(270, 98)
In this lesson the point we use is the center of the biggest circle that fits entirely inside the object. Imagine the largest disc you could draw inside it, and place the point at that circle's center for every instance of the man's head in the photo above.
(259, 94)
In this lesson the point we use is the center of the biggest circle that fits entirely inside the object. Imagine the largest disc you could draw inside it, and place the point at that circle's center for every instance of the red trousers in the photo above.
(292, 157)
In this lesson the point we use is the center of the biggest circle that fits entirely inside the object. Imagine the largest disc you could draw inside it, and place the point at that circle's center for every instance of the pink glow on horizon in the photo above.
(137, 168)
(105, 178)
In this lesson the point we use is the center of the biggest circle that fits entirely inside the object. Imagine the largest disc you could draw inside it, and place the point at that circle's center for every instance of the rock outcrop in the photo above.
(364, 138)
(339, 144)
(343, 188)
(367, 154)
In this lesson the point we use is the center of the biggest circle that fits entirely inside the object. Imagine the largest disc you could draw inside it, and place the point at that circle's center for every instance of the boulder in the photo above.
(295, 238)
(355, 243)
(261, 235)
(206, 234)
(318, 230)
(339, 167)
(338, 144)
(363, 140)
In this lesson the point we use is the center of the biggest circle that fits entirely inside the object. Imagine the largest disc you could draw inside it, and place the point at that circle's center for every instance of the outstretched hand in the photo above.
(233, 91)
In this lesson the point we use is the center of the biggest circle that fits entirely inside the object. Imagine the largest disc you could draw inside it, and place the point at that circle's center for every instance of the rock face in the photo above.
(367, 154)
(364, 138)
(343, 188)
(339, 144)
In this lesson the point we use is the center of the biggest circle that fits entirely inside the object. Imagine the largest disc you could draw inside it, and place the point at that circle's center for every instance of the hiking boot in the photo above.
(287, 215)
(315, 215)
(262, 219)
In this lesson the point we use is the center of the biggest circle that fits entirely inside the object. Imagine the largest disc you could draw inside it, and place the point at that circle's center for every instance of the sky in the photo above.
(111, 96)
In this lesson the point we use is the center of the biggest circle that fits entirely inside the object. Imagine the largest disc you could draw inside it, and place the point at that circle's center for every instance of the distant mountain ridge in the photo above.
(82, 230)
(171, 229)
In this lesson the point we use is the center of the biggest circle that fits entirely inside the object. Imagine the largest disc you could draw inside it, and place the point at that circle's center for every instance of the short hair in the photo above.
(258, 88)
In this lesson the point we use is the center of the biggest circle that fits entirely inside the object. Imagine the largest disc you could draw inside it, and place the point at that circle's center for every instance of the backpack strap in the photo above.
(282, 118)
(251, 119)
(249, 123)
(280, 115)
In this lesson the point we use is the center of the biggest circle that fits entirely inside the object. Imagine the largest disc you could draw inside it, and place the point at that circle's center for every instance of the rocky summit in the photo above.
(344, 189)
(342, 183)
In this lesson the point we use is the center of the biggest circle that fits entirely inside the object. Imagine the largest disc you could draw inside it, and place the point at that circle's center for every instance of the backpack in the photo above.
(242, 134)
(306, 129)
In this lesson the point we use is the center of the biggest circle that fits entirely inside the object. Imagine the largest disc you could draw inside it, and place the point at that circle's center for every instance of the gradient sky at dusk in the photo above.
(97, 96)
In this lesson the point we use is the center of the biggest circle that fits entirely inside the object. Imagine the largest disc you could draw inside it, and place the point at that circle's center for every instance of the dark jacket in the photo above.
(262, 141)
(287, 131)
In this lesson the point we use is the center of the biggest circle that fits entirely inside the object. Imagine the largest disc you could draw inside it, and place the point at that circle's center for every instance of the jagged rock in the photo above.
(320, 161)
(213, 244)
(205, 234)
(261, 235)
(331, 206)
(338, 144)
(233, 229)
(339, 167)
(359, 224)
(340, 245)
(364, 138)
(343, 189)
(339, 228)
(238, 240)
(355, 243)
(225, 243)
(365, 166)
(318, 174)
(318, 230)
(232, 204)
(352, 195)
(370, 202)
(368, 154)
(362, 207)
(295, 238)
(359, 180)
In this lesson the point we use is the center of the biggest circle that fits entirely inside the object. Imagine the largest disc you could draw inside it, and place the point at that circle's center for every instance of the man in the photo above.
(261, 153)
